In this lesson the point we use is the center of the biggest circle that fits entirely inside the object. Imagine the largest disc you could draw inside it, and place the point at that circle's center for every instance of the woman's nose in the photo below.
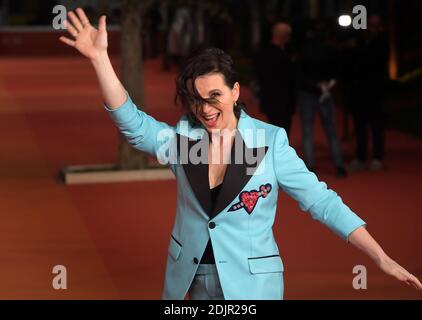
(206, 108)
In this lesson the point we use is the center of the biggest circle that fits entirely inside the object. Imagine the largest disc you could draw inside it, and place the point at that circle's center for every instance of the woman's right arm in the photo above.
(141, 130)
(92, 43)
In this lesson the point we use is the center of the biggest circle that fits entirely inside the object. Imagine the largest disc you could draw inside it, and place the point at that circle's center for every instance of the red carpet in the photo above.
(113, 238)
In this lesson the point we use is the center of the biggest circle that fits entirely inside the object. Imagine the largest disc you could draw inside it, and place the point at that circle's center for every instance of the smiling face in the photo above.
(218, 114)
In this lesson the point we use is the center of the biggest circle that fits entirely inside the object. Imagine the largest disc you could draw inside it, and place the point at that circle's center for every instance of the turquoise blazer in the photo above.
(240, 226)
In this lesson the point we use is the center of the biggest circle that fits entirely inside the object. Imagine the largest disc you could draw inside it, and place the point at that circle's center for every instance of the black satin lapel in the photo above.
(197, 174)
(237, 176)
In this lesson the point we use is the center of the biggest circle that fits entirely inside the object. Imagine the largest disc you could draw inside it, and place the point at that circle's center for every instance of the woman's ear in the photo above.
(236, 91)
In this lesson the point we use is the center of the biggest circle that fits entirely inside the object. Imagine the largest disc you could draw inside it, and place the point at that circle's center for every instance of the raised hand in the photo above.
(87, 40)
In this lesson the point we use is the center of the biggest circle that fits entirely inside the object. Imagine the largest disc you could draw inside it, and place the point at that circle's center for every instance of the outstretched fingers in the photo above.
(75, 21)
(67, 41)
(415, 282)
(82, 16)
(102, 24)
(70, 28)
(410, 279)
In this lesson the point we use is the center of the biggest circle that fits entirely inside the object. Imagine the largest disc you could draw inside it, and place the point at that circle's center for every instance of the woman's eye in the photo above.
(215, 95)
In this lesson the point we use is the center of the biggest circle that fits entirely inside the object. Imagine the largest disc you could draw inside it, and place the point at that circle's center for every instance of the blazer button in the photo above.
(211, 225)
(195, 260)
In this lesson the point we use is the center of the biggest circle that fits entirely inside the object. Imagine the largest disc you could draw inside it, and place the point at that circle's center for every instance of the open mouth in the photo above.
(211, 120)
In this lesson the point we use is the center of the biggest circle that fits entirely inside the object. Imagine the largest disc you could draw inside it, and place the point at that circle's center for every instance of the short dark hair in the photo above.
(199, 63)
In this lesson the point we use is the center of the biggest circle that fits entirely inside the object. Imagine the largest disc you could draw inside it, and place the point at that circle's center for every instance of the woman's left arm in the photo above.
(364, 241)
(328, 208)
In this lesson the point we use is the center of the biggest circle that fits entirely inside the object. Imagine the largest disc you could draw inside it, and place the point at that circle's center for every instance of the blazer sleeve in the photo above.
(312, 195)
(144, 132)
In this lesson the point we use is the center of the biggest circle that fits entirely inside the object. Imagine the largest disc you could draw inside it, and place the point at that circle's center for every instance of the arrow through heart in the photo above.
(249, 199)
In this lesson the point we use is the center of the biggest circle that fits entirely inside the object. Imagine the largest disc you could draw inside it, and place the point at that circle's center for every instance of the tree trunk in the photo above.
(132, 75)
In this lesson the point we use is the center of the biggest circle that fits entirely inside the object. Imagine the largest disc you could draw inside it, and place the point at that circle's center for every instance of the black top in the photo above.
(208, 256)
(275, 73)
(316, 62)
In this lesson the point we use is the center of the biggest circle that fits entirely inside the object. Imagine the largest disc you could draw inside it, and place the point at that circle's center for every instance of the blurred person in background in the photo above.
(179, 41)
(316, 72)
(347, 49)
(370, 79)
(276, 78)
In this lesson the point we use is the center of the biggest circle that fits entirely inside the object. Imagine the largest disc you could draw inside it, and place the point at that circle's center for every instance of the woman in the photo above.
(222, 245)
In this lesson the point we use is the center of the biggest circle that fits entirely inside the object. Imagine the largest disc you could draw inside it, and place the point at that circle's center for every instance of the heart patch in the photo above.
(249, 199)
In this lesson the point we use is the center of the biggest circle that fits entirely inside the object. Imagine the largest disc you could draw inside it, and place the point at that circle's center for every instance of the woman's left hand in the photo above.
(364, 241)
(389, 266)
